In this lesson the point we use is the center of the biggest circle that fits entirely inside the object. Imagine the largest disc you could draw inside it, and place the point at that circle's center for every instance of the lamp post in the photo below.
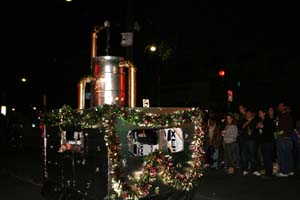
(151, 47)
(151, 51)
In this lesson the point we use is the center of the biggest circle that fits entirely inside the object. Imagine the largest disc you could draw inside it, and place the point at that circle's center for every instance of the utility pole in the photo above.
(129, 48)
(128, 25)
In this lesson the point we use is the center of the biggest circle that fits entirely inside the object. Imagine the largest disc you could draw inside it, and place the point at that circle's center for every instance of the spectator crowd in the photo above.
(263, 142)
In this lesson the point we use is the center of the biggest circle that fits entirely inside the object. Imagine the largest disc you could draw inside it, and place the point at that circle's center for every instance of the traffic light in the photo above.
(221, 73)
(230, 95)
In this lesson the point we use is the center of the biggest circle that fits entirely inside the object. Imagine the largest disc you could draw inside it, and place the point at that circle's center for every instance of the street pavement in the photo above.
(21, 178)
(20, 174)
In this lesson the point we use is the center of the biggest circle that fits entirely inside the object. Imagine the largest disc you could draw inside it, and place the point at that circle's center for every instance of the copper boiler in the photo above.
(108, 79)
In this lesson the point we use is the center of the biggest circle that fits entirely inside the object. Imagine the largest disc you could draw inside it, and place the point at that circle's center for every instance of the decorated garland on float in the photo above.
(157, 164)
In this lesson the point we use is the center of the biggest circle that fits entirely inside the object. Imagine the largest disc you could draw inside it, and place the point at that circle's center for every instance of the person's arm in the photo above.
(246, 124)
(235, 131)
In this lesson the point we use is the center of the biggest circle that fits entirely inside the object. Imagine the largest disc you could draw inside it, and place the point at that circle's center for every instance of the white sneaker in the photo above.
(282, 175)
(256, 173)
(245, 173)
(291, 174)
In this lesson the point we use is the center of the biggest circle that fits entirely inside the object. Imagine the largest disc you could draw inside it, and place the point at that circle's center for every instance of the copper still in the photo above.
(108, 77)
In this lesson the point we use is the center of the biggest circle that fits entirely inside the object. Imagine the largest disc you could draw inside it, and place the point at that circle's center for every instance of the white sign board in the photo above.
(146, 103)
(174, 136)
(127, 39)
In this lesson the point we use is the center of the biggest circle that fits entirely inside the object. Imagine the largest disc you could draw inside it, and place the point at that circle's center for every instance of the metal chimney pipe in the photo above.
(81, 90)
(95, 32)
(131, 85)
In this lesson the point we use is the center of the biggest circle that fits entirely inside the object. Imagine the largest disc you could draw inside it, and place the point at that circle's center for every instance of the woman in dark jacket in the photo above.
(266, 137)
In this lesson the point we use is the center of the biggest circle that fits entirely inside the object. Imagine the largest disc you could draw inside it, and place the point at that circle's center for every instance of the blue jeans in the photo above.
(285, 158)
(298, 154)
(249, 155)
(267, 150)
(230, 154)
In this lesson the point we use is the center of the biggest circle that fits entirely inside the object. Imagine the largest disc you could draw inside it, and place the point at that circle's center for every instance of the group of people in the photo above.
(255, 141)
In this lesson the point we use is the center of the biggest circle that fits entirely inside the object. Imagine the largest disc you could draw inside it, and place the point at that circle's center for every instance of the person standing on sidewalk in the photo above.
(297, 143)
(249, 144)
(267, 141)
(214, 142)
(284, 144)
(230, 134)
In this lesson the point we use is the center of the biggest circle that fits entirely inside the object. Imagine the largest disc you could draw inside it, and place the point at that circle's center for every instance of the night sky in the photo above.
(257, 44)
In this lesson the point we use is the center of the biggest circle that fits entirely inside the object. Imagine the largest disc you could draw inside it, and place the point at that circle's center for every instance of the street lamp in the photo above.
(151, 47)
(23, 79)
(150, 50)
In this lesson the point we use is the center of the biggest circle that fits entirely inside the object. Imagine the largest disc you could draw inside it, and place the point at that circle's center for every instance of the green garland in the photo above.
(156, 164)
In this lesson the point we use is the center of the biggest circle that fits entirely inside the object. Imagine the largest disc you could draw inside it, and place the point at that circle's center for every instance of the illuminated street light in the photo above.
(68, 0)
(152, 48)
(13, 109)
(34, 108)
(154, 62)
(23, 80)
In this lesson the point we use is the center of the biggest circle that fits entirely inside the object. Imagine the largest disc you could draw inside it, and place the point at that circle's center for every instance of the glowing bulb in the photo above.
(153, 48)
(137, 174)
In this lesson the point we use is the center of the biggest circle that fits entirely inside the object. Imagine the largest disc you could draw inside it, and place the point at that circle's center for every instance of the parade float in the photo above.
(111, 149)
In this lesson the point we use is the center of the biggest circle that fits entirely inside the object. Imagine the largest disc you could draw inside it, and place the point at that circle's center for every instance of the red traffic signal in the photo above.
(222, 73)
(230, 95)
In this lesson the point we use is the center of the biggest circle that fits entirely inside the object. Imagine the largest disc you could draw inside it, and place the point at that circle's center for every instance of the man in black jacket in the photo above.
(284, 144)
(249, 143)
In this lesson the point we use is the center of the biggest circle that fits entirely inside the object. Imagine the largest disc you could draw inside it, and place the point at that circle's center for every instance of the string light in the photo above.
(157, 165)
